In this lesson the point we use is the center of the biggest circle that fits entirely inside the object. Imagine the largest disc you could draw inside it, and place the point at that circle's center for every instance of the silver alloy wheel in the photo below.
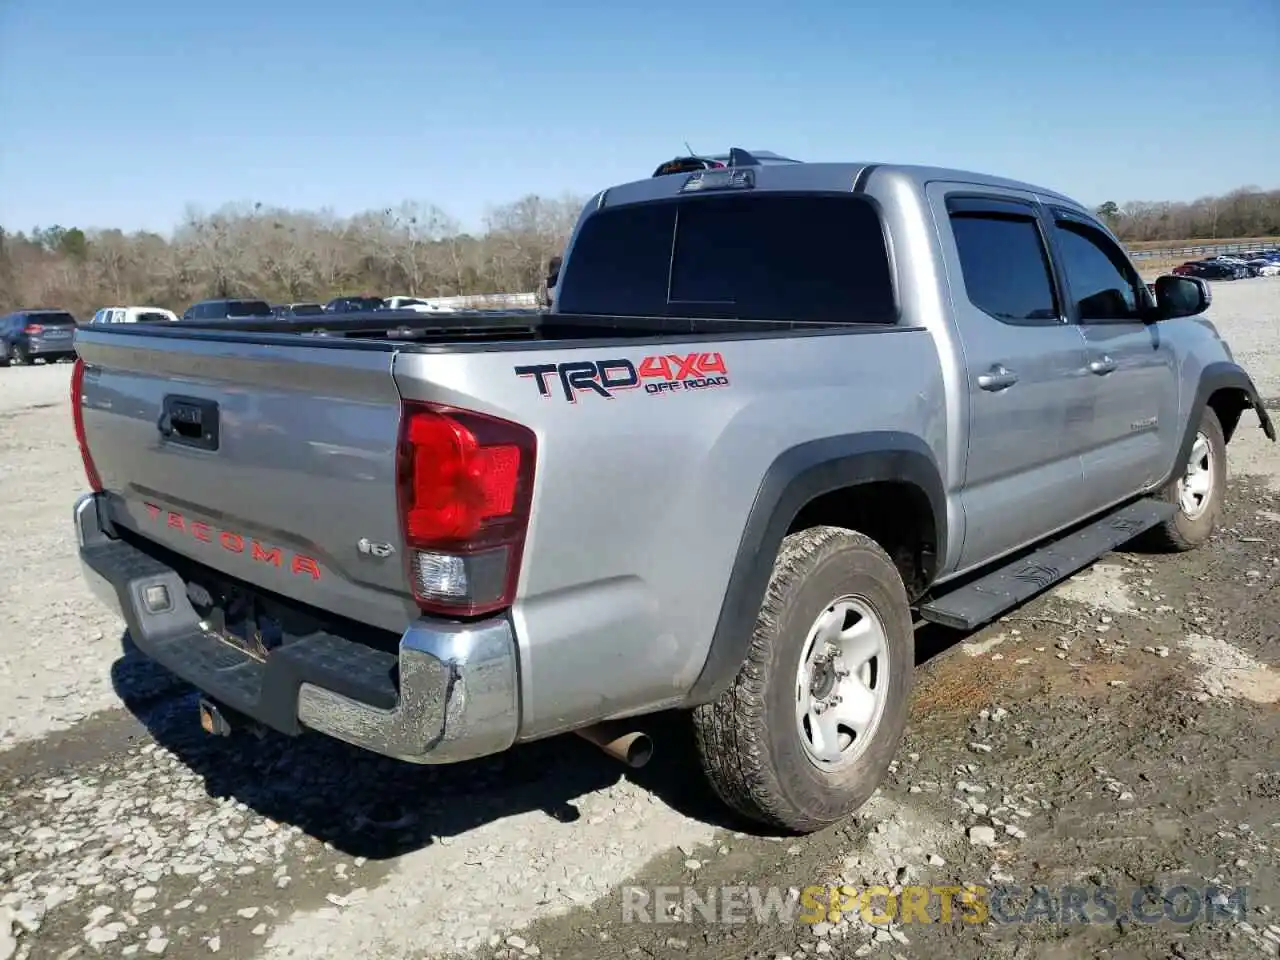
(1196, 487)
(841, 683)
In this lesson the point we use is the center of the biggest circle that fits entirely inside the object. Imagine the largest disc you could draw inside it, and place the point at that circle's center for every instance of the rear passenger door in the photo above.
(1023, 369)
(1132, 365)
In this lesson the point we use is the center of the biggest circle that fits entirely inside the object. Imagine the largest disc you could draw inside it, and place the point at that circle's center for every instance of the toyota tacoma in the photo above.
(778, 415)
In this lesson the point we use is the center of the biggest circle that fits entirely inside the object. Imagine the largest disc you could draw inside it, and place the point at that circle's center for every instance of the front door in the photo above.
(1132, 367)
(1023, 370)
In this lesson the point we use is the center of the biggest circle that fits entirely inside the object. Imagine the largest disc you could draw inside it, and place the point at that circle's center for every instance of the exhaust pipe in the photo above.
(620, 741)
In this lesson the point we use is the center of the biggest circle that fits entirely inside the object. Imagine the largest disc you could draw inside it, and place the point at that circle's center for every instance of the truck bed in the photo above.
(483, 330)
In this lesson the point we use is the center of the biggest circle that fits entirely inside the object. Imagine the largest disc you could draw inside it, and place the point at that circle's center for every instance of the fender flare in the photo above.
(800, 474)
(1221, 375)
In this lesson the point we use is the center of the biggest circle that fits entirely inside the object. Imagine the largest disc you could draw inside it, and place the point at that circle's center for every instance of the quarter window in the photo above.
(1005, 267)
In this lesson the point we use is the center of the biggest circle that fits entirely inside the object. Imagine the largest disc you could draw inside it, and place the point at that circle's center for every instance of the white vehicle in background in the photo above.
(416, 304)
(134, 315)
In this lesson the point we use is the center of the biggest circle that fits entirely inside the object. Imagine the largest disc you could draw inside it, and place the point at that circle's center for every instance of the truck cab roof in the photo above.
(760, 171)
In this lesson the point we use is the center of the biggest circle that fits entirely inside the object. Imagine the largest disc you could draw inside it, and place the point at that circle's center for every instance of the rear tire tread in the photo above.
(732, 731)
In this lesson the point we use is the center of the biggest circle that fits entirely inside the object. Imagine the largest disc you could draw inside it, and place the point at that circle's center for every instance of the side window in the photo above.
(1102, 283)
(1005, 266)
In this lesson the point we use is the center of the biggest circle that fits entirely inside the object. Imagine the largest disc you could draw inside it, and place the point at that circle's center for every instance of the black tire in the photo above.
(748, 740)
(18, 355)
(1184, 531)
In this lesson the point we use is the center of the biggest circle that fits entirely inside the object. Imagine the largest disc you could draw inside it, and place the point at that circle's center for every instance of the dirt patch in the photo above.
(1102, 586)
(1228, 672)
(962, 687)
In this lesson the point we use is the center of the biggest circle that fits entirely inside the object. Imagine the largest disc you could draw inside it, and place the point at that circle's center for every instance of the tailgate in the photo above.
(269, 462)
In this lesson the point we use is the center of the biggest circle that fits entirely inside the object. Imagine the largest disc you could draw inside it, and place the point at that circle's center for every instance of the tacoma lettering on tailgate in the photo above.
(657, 374)
(232, 542)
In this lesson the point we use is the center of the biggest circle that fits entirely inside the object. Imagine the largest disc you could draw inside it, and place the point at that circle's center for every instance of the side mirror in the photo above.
(1181, 297)
(553, 271)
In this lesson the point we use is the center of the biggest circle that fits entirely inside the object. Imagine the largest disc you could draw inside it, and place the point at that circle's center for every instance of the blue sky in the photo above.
(120, 114)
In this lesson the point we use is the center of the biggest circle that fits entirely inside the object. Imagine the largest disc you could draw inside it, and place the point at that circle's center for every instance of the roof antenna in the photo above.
(689, 148)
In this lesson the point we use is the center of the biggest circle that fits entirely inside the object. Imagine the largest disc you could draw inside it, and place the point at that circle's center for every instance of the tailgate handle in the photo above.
(190, 421)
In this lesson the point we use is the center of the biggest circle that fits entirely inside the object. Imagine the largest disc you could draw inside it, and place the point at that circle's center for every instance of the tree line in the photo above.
(286, 256)
(415, 249)
(1244, 212)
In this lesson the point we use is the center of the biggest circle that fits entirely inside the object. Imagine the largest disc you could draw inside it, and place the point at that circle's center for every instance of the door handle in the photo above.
(1102, 366)
(997, 378)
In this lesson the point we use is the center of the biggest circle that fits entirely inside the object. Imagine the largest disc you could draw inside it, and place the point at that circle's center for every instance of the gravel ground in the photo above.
(1121, 730)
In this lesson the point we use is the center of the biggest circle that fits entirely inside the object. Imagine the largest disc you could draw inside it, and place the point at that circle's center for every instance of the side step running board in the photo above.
(981, 601)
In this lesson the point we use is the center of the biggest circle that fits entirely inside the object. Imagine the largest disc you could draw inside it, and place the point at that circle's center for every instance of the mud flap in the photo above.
(1264, 418)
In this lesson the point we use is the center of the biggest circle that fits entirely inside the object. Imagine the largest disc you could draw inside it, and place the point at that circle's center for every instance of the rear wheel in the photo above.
(807, 730)
(1197, 491)
(18, 354)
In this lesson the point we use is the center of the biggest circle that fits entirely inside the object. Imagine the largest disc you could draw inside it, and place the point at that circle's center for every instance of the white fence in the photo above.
(1192, 251)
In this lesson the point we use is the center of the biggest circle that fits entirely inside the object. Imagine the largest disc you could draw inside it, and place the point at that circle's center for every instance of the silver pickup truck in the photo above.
(779, 414)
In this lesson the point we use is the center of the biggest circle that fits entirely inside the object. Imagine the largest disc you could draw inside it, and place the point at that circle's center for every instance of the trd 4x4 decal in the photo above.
(656, 374)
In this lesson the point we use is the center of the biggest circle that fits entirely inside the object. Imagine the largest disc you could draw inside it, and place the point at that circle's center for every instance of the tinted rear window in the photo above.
(809, 258)
(306, 309)
(248, 308)
(52, 319)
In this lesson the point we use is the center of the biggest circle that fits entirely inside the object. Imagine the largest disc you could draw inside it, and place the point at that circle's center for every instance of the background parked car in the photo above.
(416, 304)
(296, 311)
(1239, 268)
(134, 315)
(1208, 270)
(228, 310)
(28, 335)
(361, 304)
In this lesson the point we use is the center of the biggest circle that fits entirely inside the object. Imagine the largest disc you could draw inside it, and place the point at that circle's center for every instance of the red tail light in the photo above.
(35, 328)
(77, 417)
(465, 487)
